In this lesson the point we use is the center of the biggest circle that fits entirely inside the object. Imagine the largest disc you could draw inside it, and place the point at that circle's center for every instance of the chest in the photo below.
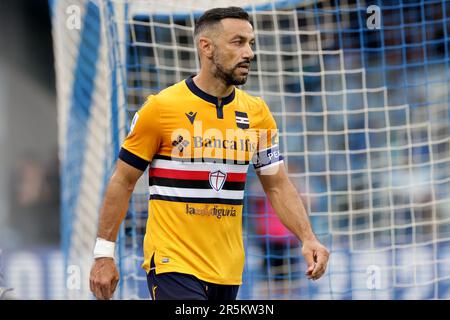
(208, 131)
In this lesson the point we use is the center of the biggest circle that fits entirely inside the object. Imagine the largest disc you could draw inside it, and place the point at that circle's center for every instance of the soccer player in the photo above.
(198, 136)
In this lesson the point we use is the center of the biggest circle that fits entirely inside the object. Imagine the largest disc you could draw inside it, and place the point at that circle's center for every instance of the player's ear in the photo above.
(206, 46)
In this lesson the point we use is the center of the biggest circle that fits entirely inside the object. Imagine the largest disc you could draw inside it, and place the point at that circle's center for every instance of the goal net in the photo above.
(359, 90)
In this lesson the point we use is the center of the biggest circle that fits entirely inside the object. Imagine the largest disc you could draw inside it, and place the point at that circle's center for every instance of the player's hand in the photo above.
(316, 256)
(104, 278)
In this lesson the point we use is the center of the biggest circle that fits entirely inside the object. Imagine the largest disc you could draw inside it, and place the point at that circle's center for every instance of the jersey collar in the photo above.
(206, 96)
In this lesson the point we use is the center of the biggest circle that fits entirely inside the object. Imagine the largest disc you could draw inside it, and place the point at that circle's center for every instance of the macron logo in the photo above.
(191, 116)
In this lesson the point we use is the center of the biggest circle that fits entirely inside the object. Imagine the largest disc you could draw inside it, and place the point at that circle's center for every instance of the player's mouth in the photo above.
(245, 67)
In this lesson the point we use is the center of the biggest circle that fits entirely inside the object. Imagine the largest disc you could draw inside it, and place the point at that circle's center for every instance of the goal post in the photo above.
(359, 91)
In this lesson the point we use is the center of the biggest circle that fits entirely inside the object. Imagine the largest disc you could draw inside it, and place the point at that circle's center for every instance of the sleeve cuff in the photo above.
(133, 160)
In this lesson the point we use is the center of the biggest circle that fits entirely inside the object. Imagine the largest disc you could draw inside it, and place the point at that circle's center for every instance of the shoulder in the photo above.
(171, 94)
(165, 98)
(171, 91)
(257, 109)
(252, 103)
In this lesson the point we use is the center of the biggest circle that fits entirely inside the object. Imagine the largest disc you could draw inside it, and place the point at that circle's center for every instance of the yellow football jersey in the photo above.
(199, 148)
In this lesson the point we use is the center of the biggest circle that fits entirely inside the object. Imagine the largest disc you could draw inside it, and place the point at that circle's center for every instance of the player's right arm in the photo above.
(141, 144)
(104, 275)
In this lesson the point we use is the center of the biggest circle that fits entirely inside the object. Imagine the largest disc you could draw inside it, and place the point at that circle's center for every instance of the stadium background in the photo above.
(29, 232)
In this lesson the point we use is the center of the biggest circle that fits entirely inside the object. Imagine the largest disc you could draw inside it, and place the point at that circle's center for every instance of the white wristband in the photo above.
(104, 248)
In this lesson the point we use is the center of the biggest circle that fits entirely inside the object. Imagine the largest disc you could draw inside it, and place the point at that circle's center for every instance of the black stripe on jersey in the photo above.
(133, 160)
(204, 160)
(219, 111)
(193, 184)
(197, 200)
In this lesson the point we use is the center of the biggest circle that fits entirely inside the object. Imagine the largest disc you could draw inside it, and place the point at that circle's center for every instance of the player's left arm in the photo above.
(288, 205)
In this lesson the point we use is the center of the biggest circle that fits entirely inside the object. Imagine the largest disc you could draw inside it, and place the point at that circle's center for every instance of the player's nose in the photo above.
(248, 53)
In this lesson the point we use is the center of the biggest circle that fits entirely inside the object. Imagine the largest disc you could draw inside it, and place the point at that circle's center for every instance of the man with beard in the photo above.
(193, 247)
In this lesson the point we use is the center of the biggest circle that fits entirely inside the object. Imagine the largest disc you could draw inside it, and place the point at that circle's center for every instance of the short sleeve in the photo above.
(144, 139)
(268, 150)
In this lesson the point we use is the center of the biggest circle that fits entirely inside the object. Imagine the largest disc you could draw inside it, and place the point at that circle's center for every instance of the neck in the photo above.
(211, 85)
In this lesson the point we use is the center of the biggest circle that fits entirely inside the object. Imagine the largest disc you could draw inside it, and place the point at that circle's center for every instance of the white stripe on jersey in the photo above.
(267, 166)
(196, 193)
(242, 120)
(199, 166)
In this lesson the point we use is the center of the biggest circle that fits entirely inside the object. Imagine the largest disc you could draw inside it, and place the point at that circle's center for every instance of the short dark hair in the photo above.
(213, 16)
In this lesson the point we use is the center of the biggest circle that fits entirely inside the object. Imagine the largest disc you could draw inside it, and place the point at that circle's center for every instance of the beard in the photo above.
(227, 75)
